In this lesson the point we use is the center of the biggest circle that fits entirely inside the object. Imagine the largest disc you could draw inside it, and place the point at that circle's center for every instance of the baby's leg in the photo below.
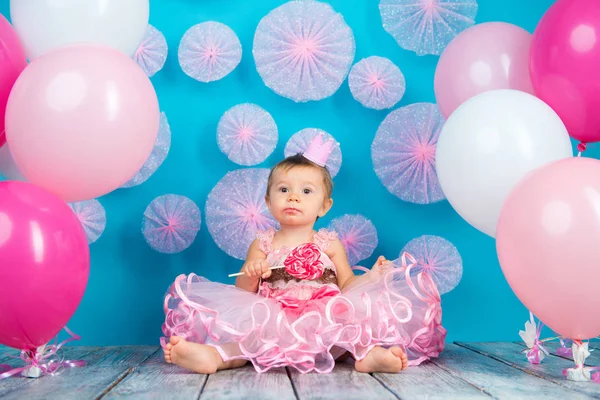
(380, 359)
(197, 357)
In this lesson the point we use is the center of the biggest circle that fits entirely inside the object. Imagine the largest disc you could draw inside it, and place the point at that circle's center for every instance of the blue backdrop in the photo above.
(123, 301)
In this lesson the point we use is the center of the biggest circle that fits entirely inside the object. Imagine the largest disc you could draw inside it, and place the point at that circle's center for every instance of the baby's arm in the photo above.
(337, 254)
(254, 268)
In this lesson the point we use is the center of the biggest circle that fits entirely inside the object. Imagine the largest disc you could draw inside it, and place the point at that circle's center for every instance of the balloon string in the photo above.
(45, 358)
(550, 339)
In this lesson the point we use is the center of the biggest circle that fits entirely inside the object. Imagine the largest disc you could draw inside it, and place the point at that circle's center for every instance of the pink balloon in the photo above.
(565, 54)
(548, 243)
(81, 121)
(12, 62)
(45, 264)
(487, 56)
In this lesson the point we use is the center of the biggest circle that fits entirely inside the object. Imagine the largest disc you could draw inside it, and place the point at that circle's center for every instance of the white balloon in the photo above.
(488, 144)
(44, 25)
(8, 168)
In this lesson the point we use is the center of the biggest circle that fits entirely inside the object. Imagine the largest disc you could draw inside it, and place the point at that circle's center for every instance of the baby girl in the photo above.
(297, 301)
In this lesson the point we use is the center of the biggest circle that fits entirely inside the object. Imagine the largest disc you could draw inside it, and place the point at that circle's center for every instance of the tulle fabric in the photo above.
(305, 325)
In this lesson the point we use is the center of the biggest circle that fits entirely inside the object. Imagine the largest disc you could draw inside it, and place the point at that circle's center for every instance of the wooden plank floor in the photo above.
(464, 371)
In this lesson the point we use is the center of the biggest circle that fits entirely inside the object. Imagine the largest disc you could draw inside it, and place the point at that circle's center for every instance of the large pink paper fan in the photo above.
(403, 153)
(92, 216)
(426, 26)
(158, 155)
(247, 134)
(171, 223)
(209, 51)
(357, 234)
(152, 52)
(376, 82)
(303, 50)
(236, 210)
(299, 142)
(439, 258)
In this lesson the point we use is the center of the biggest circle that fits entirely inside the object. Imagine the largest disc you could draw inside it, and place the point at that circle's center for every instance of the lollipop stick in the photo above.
(241, 273)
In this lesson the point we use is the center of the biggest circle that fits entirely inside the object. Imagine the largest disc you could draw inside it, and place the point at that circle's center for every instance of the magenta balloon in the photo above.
(12, 63)
(486, 56)
(564, 60)
(44, 267)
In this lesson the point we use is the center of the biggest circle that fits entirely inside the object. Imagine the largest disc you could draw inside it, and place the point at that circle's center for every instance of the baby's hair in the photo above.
(298, 160)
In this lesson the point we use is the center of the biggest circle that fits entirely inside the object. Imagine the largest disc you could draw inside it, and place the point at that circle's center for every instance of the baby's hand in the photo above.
(382, 265)
(256, 269)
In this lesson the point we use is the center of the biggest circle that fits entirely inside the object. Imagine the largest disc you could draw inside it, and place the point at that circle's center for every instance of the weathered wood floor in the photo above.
(464, 371)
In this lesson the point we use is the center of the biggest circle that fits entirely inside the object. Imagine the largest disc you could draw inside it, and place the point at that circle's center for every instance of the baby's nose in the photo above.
(293, 197)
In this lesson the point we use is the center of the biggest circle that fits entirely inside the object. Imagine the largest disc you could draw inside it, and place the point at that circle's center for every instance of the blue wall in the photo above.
(123, 301)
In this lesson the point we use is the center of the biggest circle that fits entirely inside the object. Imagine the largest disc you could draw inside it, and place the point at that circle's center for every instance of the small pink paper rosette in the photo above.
(303, 50)
(357, 234)
(209, 51)
(236, 210)
(247, 134)
(171, 223)
(377, 83)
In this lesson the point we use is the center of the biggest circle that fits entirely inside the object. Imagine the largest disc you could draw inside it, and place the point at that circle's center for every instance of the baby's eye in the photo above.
(283, 190)
(307, 191)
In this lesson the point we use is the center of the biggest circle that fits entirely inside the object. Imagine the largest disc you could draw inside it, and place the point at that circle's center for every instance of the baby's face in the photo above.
(297, 196)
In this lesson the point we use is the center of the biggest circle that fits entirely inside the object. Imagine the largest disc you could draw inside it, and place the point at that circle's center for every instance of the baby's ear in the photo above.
(327, 204)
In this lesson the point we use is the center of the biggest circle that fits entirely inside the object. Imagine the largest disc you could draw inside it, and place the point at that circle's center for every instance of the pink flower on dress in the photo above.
(304, 262)
(299, 297)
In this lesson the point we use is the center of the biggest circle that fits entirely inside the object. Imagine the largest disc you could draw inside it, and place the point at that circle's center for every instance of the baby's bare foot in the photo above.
(383, 360)
(196, 357)
(167, 351)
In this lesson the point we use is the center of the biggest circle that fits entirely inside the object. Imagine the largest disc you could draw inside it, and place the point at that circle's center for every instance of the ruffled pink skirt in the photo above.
(276, 328)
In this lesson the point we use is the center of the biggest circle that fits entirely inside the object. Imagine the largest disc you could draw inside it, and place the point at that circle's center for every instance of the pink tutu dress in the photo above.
(300, 318)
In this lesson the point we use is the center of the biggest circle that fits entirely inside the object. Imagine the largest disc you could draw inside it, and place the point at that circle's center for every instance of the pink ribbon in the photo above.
(288, 300)
(47, 360)
(595, 377)
(563, 350)
(580, 365)
(534, 354)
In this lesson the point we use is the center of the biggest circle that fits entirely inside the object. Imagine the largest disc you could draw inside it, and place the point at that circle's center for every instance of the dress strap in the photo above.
(323, 237)
(265, 239)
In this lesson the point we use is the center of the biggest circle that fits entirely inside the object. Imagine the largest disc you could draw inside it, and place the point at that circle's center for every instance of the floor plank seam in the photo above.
(204, 383)
(482, 390)
(115, 382)
(533, 373)
(126, 374)
(150, 356)
(505, 362)
(389, 389)
(289, 374)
